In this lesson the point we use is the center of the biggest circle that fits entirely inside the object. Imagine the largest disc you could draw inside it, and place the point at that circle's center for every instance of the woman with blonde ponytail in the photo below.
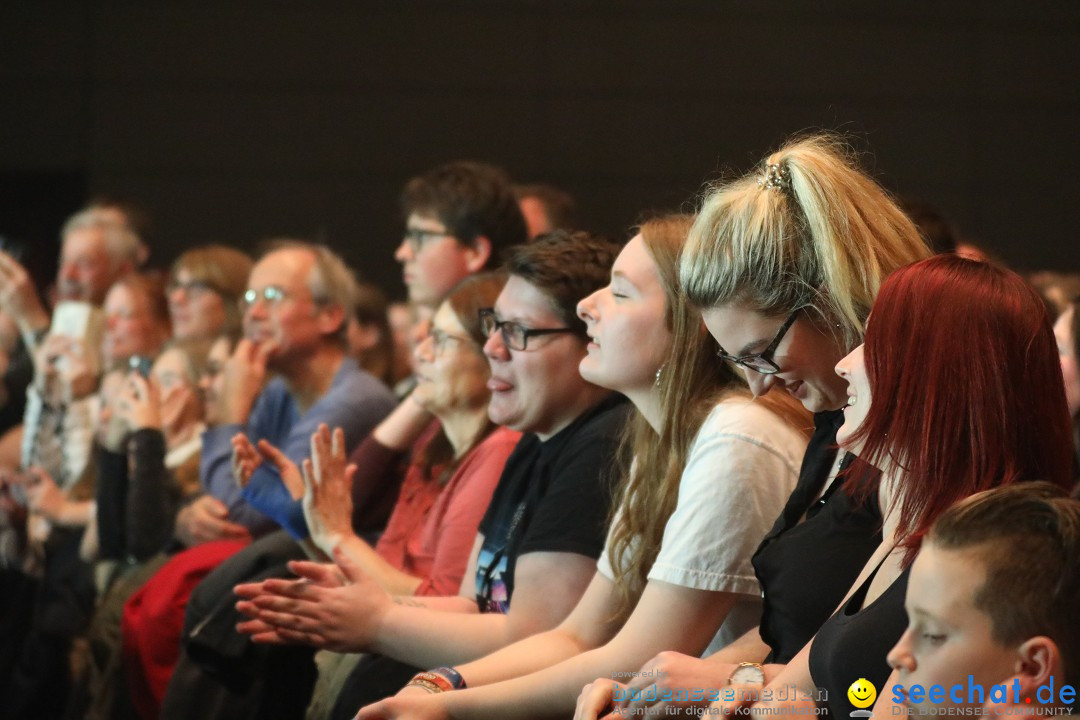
(710, 467)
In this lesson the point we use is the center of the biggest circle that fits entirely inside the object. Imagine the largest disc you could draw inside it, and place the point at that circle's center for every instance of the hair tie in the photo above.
(776, 177)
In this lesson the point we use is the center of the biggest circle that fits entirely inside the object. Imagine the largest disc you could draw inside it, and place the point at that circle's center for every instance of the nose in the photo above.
(900, 657)
(424, 349)
(68, 271)
(257, 309)
(586, 309)
(404, 252)
(495, 349)
(759, 382)
(844, 366)
(177, 295)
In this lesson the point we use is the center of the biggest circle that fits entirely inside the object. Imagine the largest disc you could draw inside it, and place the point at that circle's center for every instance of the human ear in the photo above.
(1038, 661)
(477, 253)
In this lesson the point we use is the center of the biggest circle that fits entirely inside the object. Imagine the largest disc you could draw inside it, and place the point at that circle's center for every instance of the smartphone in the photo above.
(79, 320)
(140, 364)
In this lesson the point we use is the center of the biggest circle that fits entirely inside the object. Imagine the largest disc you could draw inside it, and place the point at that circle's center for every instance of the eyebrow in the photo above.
(746, 349)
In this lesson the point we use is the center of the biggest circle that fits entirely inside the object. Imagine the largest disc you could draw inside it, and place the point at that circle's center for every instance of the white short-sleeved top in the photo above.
(742, 466)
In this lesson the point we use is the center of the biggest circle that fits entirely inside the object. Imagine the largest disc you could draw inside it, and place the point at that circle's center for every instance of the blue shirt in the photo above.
(355, 402)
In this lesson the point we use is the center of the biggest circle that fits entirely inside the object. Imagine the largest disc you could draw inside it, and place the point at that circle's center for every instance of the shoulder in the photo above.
(354, 384)
(741, 419)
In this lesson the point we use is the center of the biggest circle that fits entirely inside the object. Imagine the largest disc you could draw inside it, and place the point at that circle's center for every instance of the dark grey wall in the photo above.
(237, 120)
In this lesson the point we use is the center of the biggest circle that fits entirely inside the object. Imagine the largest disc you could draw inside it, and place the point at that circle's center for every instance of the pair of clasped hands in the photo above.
(334, 606)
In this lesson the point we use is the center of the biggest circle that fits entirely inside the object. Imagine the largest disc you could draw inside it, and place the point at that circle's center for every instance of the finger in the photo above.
(289, 621)
(307, 474)
(338, 443)
(262, 352)
(321, 574)
(138, 383)
(251, 627)
(244, 607)
(214, 507)
(268, 638)
(248, 590)
(302, 638)
(349, 568)
(290, 590)
(272, 453)
(373, 712)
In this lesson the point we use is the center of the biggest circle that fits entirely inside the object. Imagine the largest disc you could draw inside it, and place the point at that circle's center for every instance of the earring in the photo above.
(659, 370)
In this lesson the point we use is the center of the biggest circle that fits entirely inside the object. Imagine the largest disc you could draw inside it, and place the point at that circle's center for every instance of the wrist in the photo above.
(439, 680)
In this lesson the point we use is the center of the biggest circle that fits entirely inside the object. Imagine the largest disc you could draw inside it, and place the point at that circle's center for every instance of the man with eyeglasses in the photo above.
(295, 318)
(459, 218)
(546, 524)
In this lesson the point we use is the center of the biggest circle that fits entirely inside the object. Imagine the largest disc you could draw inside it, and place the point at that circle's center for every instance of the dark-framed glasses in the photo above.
(514, 335)
(416, 238)
(762, 362)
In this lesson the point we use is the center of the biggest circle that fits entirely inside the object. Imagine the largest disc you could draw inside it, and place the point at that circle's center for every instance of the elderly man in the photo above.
(295, 319)
(95, 251)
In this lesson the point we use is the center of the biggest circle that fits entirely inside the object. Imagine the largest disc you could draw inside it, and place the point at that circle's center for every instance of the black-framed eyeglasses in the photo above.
(416, 238)
(514, 335)
(762, 362)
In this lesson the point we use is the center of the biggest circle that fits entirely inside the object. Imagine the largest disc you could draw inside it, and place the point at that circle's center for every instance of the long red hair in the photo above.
(967, 388)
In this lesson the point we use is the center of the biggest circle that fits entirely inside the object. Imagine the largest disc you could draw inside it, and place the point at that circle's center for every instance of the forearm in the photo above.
(529, 655)
(400, 429)
(75, 513)
(416, 633)
(393, 580)
(548, 693)
(152, 499)
(747, 648)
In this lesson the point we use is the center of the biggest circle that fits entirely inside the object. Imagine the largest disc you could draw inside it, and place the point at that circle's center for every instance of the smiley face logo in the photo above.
(862, 693)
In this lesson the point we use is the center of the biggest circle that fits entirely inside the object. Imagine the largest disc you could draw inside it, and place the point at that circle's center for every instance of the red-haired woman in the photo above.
(956, 389)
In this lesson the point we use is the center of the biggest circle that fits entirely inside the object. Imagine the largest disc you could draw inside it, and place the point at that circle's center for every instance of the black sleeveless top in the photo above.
(853, 643)
(805, 568)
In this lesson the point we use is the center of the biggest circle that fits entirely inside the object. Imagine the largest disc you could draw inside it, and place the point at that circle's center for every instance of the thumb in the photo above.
(216, 507)
(349, 568)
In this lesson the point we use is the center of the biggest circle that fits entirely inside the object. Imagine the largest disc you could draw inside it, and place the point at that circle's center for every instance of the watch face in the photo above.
(747, 675)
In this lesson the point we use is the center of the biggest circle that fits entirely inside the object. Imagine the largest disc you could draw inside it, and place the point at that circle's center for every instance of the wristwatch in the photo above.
(747, 673)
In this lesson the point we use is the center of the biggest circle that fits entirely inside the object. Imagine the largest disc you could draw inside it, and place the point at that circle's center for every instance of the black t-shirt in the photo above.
(553, 496)
(805, 568)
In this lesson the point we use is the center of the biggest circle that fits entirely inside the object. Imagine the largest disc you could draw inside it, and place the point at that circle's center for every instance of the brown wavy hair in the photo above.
(690, 384)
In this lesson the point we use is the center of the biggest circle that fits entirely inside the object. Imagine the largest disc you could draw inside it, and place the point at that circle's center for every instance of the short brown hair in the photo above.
(471, 199)
(567, 267)
(1028, 538)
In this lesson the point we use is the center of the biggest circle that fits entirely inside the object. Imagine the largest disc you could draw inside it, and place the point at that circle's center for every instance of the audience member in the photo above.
(546, 208)
(459, 219)
(206, 285)
(991, 601)
(370, 341)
